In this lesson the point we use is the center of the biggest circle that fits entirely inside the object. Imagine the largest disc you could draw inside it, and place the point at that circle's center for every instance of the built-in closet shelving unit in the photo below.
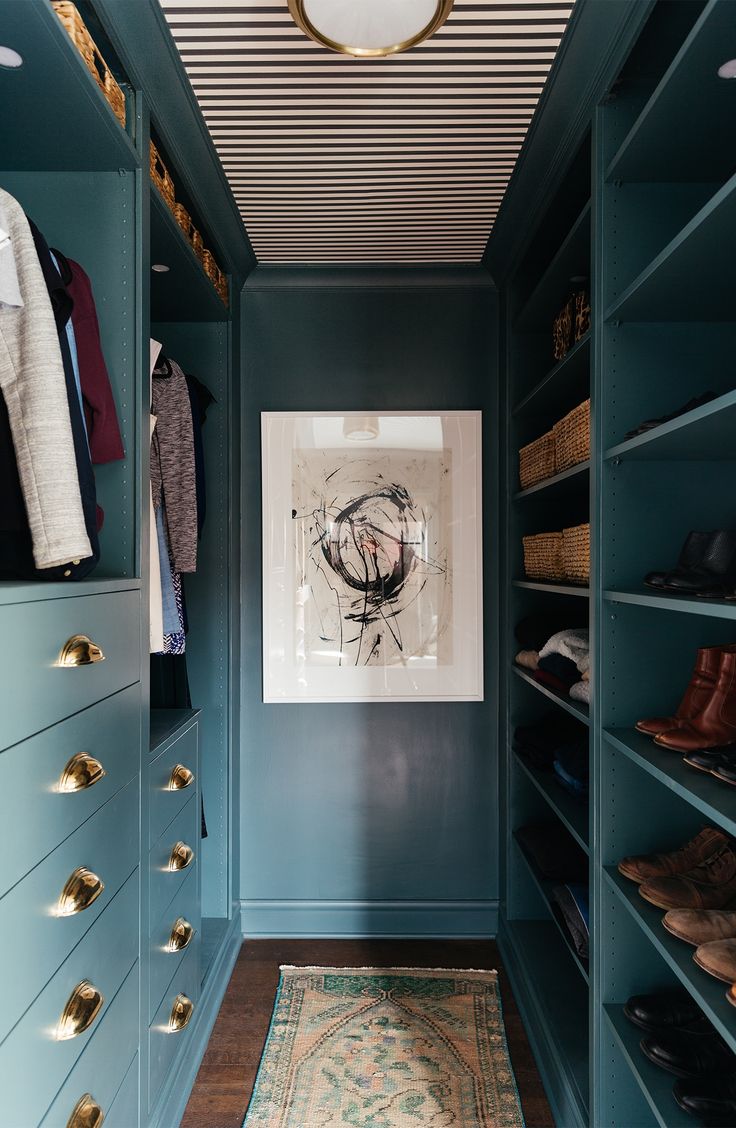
(645, 200)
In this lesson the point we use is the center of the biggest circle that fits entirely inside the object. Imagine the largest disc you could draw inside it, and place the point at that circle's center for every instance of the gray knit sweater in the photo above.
(173, 479)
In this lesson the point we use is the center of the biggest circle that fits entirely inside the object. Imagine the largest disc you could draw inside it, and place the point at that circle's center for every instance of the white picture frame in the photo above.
(372, 556)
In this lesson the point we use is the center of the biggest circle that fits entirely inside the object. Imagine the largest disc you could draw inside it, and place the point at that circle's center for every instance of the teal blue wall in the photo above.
(376, 818)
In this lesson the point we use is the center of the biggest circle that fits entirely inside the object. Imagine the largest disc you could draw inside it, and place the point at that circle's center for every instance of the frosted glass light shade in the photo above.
(369, 28)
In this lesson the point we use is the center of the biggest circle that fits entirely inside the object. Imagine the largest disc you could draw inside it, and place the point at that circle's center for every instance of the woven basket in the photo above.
(576, 553)
(161, 177)
(572, 437)
(191, 233)
(87, 48)
(582, 314)
(543, 556)
(215, 275)
(562, 330)
(537, 460)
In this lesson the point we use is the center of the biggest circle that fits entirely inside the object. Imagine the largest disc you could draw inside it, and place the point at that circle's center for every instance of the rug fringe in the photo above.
(451, 970)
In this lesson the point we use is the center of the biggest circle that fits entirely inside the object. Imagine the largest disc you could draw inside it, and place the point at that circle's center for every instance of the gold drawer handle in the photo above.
(180, 778)
(80, 650)
(81, 772)
(81, 890)
(82, 1008)
(181, 856)
(181, 936)
(86, 1113)
(181, 1012)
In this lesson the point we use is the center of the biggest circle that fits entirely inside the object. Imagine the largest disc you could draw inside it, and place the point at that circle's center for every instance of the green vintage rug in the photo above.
(385, 1048)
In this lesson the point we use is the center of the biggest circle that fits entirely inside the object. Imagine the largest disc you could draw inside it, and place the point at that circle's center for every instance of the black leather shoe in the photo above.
(715, 573)
(711, 1099)
(711, 759)
(689, 1055)
(649, 424)
(665, 1011)
(691, 556)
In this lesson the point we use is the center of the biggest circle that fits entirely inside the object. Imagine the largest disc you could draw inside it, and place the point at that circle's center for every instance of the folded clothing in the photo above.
(578, 788)
(553, 851)
(572, 903)
(551, 681)
(563, 668)
(529, 659)
(540, 742)
(574, 758)
(533, 631)
(571, 643)
(581, 692)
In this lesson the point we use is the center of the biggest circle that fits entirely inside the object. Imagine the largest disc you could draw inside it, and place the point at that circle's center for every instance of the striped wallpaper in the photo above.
(334, 159)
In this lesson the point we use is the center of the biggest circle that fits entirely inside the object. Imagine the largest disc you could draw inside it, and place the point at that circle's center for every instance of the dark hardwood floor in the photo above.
(225, 1080)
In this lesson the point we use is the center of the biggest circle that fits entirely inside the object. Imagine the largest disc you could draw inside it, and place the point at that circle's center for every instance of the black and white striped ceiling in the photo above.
(345, 160)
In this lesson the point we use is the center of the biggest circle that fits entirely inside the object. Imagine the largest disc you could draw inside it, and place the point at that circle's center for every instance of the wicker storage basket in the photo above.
(537, 460)
(572, 437)
(87, 48)
(562, 330)
(215, 275)
(543, 556)
(582, 314)
(186, 223)
(576, 553)
(161, 177)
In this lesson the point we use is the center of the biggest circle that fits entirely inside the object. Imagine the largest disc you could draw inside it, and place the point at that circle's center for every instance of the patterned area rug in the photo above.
(385, 1048)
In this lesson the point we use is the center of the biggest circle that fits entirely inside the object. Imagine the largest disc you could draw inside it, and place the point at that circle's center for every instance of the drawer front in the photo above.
(175, 767)
(165, 882)
(124, 1109)
(32, 777)
(35, 691)
(34, 1062)
(166, 957)
(35, 939)
(103, 1066)
(164, 1044)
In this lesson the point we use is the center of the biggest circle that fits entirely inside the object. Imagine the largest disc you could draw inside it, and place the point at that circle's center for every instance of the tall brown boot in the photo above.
(715, 725)
(701, 686)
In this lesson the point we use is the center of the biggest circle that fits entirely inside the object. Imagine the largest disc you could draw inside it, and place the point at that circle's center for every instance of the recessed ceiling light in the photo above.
(10, 58)
(728, 70)
(160, 268)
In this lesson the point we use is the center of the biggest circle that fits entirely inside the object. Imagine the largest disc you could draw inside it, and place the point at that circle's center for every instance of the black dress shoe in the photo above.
(711, 759)
(711, 1099)
(714, 576)
(689, 1055)
(665, 1011)
(691, 556)
(649, 424)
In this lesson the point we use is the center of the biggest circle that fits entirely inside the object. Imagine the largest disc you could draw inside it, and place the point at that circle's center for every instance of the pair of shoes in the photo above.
(706, 716)
(713, 933)
(667, 1012)
(706, 566)
(650, 424)
(718, 762)
(699, 875)
(712, 1100)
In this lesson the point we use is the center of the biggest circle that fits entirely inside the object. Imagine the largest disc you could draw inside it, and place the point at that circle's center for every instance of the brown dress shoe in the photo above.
(715, 726)
(701, 926)
(701, 686)
(645, 867)
(718, 958)
(711, 885)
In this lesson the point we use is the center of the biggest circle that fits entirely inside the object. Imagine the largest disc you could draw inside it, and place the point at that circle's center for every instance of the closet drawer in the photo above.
(124, 1109)
(34, 1062)
(35, 690)
(165, 956)
(35, 940)
(165, 1041)
(103, 1066)
(31, 775)
(173, 781)
(165, 881)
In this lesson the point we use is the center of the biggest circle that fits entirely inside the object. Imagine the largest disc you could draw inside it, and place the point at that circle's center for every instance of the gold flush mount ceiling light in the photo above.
(369, 28)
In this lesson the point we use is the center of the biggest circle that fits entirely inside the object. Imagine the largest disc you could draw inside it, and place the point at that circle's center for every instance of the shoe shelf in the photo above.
(575, 708)
(545, 887)
(553, 288)
(565, 386)
(655, 1083)
(686, 604)
(713, 799)
(687, 94)
(553, 589)
(574, 481)
(704, 434)
(709, 993)
(572, 814)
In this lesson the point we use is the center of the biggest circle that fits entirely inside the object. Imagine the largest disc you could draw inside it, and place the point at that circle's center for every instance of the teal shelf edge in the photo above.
(573, 815)
(544, 302)
(575, 477)
(545, 889)
(554, 1003)
(561, 381)
(655, 1083)
(165, 723)
(19, 592)
(670, 287)
(570, 706)
(184, 291)
(553, 589)
(704, 434)
(713, 799)
(709, 993)
(687, 605)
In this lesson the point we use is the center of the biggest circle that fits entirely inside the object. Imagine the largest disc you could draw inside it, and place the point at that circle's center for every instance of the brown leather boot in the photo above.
(696, 696)
(711, 885)
(645, 867)
(715, 725)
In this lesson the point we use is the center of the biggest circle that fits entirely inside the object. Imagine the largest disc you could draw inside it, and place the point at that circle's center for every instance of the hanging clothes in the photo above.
(155, 599)
(173, 476)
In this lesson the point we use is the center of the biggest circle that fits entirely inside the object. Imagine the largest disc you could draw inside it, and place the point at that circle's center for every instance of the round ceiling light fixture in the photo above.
(369, 29)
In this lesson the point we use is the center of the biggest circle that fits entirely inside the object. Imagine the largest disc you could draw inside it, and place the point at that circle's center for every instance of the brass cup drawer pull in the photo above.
(81, 772)
(81, 890)
(181, 936)
(79, 650)
(86, 1113)
(181, 1012)
(82, 1008)
(180, 778)
(180, 857)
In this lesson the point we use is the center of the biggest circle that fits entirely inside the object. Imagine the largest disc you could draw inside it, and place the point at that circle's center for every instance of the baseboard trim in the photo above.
(340, 920)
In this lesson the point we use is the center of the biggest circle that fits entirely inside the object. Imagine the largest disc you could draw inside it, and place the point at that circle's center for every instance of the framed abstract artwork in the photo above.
(372, 568)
